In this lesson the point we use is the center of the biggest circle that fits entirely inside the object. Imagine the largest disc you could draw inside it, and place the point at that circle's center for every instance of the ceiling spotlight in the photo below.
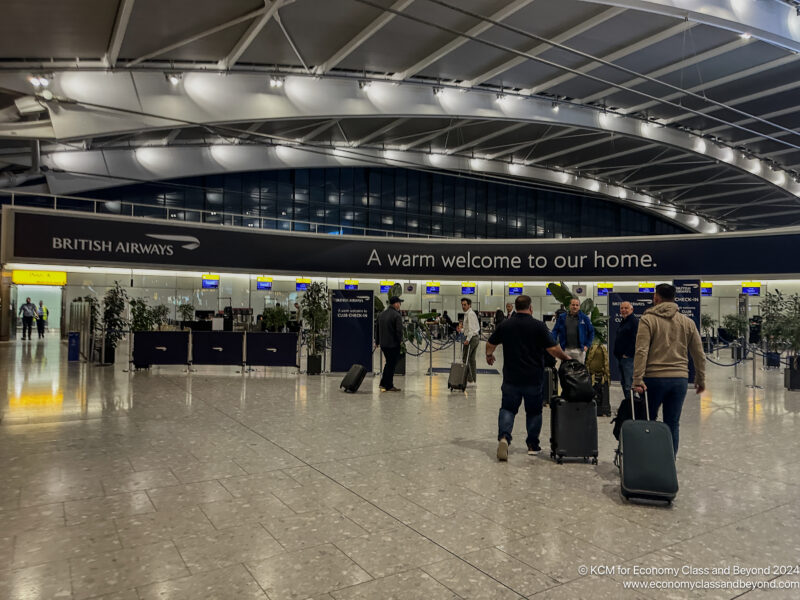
(39, 81)
(745, 36)
(174, 78)
(555, 107)
(438, 92)
(500, 97)
(275, 81)
(364, 84)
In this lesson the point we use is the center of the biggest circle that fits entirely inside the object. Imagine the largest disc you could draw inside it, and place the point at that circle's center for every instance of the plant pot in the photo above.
(400, 368)
(314, 364)
(110, 352)
(791, 377)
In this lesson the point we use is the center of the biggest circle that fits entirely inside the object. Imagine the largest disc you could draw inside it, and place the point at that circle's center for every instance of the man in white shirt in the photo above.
(472, 336)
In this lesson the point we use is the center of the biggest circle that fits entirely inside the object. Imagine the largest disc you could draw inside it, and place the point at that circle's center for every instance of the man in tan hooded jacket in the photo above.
(664, 342)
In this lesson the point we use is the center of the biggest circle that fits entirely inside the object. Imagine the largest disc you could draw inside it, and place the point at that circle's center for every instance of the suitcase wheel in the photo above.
(594, 460)
(560, 460)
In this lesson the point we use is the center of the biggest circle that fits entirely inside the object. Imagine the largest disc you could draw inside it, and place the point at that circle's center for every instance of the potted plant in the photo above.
(315, 306)
(275, 318)
(114, 323)
(160, 315)
(141, 316)
(736, 326)
(792, 337)
(773, 326)
(707, 324)
(186, 312)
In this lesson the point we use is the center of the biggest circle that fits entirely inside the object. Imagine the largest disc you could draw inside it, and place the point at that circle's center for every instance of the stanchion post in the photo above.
(430, 353)
(753, 385)
(735, 344)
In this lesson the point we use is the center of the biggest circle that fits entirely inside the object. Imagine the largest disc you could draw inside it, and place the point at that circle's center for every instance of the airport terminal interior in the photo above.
(210, 210)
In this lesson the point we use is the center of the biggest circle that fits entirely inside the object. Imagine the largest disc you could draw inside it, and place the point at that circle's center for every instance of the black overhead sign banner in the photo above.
(88, 239)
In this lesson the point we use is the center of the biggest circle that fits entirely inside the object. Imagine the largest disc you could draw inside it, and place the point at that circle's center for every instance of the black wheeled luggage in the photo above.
(601, 397)
(353, 379)
(550, 385)
(646, 459)
(573, 430)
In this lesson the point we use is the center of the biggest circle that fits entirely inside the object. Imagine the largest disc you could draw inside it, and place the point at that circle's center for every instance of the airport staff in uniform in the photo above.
(41, 318)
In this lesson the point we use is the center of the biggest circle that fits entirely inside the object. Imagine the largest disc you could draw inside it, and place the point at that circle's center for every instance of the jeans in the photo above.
(472, 350)
(513, 396)
(626, 372)
(392, 355)
(40, 323)
(27, 325)
(669, 392)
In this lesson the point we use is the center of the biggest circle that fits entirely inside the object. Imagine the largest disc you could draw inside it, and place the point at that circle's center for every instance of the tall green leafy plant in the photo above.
(564, 295)
(275, 317)
(774, 325)
(707, 323)
(735, 325)
(160, 315)
(186, 311)
(114, 322)
(316, 307)
(141, 315)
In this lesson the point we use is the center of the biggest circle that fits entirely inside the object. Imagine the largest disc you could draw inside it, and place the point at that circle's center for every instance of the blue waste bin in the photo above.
(74, 346)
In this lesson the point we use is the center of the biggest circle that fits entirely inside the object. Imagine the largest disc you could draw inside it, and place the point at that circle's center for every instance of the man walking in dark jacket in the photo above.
(390, 338)
(29, 313)
(625, 346)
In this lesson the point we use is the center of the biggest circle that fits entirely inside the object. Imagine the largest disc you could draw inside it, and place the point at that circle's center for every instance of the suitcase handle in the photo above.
(646, 406)
(468, 353)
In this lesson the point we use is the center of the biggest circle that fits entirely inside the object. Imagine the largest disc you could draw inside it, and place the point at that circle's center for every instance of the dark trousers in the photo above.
(391, 355)
(27, 326)
(669, 393)
(40, 327)
(513, 396)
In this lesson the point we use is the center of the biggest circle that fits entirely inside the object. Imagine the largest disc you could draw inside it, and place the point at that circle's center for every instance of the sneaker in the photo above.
(394, 389)
(502, 450)
(532, 450)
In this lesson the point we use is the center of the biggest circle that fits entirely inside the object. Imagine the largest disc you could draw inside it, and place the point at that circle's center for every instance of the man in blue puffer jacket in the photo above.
(574, 331)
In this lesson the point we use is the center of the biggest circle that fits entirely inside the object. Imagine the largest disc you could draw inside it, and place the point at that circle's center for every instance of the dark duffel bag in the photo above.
(576, 382)
(353, 379)
(625, 412)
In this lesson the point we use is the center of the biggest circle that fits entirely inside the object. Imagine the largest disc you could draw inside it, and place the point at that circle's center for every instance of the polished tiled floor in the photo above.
(215, 484)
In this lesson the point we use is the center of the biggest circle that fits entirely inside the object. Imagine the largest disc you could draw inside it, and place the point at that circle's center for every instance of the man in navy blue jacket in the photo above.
(625, 346)
(574, 331)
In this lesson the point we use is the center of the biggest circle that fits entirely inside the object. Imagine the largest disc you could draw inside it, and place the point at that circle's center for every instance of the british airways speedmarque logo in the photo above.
(192, 242)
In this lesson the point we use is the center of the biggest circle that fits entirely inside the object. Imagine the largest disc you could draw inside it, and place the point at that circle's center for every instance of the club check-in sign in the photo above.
(72, 238)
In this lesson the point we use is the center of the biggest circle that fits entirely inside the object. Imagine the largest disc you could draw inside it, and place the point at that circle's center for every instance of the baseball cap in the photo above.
(394, 299)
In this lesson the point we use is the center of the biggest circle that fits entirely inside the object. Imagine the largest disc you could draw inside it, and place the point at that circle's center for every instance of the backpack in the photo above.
(597, 363)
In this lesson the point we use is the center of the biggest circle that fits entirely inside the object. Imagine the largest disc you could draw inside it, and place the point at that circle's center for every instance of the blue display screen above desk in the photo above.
(706, 291)
(385, 289)
(263, 285)
(751, 291)
(604, 291)
(210, 284)
(350, 286)
(301, 287)
(515, 291)
(431, 289)
(647, 290)
(467, 290)
(548, 292)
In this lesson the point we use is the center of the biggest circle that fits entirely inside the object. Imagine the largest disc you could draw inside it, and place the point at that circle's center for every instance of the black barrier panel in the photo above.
(160, 348)
(217, 348)
(687, 297)
(272, 349)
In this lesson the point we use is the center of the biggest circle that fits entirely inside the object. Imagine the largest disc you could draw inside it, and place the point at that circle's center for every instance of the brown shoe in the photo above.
(394, 389)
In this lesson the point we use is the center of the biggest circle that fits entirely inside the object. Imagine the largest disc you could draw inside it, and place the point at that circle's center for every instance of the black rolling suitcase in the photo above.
(550, 385)
(646, 459)
(457, 380)
(573, 430)
(353, 379)
(601, 397)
